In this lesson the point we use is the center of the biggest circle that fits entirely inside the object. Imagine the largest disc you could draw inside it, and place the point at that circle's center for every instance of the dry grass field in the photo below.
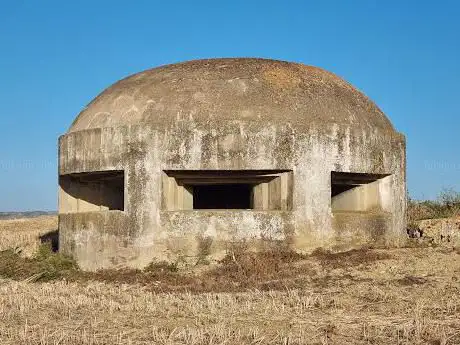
(373, 296)
(25, 233)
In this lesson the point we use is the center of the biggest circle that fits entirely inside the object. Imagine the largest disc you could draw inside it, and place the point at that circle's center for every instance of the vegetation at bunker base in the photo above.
(238, 271)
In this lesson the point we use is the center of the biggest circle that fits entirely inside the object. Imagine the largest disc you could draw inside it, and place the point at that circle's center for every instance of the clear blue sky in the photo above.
(55, 56)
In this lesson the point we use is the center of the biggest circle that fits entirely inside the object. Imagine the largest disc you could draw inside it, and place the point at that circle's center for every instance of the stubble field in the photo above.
(370, 296)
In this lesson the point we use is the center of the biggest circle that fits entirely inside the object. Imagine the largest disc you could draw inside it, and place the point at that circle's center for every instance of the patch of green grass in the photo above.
(162, 266)
(45, 265)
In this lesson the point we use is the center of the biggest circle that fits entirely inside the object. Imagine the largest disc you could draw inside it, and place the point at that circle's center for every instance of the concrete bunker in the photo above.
(225, 151)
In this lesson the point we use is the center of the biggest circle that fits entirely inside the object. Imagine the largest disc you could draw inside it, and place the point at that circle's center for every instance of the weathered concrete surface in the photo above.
(229, 89)
(234, 114)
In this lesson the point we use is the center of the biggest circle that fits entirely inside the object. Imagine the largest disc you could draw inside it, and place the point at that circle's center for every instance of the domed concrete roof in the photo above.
(246, 89)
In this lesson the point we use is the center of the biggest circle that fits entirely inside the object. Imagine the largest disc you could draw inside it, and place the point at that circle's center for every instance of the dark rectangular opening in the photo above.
(227, 189)
(222, 196)
(93, 191)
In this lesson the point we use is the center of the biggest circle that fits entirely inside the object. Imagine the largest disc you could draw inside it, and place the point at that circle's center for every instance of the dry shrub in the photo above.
(351, 258)
(240, 270)
(253, 264)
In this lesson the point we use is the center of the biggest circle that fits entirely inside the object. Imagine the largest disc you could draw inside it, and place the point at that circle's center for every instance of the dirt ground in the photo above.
(369, 296)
